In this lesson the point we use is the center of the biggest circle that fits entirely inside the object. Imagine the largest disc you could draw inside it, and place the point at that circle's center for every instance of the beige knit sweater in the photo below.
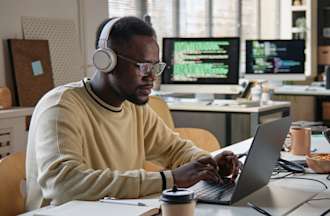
(80, 148)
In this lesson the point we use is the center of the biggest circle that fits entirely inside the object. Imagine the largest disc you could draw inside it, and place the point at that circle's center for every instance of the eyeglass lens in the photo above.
(156, 69)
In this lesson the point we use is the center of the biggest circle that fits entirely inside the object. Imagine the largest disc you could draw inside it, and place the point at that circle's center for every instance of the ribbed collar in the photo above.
(87, 85)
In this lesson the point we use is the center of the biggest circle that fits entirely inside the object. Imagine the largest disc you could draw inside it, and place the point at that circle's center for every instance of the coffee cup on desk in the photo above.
(178, 201)
(301, 140)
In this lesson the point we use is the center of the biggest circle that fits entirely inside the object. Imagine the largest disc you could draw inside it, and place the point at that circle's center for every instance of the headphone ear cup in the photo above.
(104, 60)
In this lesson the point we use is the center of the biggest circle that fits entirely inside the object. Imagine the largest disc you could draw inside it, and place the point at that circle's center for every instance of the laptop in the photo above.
(257, 170)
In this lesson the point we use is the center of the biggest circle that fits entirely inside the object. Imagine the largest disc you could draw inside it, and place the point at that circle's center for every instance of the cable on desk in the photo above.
(278, 170)
(281, 177)
(325, 212)
(316, 199)
(310, 179)
(293, 177)
(258, 209)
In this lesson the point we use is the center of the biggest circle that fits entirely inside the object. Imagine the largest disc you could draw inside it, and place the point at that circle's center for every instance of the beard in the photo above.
(136, 100)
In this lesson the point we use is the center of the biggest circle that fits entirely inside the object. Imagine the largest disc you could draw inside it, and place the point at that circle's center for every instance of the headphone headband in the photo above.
(104, 58)
(104, 37)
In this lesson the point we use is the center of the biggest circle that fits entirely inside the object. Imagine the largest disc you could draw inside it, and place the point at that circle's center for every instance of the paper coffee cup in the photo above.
(301, 141)
(178, 201)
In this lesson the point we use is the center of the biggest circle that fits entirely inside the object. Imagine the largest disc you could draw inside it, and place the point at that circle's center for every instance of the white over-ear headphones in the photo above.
(104, 58)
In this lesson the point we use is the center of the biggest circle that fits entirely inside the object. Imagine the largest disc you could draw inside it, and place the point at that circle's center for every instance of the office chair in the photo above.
(203, 139)
(12, 178)
(161, 108)
(200, 137)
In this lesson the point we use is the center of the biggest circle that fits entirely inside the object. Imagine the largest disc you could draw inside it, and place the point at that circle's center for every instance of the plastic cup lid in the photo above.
(177, 195)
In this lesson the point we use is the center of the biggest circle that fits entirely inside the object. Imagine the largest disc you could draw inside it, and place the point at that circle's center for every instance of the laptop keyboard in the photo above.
(209, 191)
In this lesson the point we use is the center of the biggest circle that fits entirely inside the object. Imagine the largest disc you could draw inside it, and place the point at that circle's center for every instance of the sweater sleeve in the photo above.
(63, 173)
(165, 146)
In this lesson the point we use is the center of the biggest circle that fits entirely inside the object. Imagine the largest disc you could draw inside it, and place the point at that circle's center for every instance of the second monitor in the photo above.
(275, 59)
(202, 62)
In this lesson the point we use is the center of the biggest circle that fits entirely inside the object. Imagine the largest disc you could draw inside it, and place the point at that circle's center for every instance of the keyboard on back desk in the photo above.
(209, 191)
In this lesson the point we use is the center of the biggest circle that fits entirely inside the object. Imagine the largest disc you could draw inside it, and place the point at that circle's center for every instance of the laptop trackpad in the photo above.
(277, 200)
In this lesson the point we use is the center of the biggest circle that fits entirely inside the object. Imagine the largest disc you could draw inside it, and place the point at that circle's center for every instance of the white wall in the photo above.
(94, 13)
(85, 13)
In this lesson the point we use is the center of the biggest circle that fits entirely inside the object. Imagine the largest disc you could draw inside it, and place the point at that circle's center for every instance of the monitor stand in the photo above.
(275, 83)
(204, 97)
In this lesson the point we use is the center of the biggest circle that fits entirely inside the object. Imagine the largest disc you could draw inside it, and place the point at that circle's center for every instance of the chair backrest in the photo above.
(202, 138)
(161, 108)
(12, 176)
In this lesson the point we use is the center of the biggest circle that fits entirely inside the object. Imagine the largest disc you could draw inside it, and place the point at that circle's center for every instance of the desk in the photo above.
(304, 90)
(303, 185)
(319, 93)
(202, 115)
(238, 209)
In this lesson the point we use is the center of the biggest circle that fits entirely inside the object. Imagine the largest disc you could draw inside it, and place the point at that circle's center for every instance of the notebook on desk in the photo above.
(87, 208)
(257, 169)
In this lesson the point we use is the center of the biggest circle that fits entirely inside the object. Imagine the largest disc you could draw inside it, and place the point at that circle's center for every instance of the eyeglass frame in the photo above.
(140, 65)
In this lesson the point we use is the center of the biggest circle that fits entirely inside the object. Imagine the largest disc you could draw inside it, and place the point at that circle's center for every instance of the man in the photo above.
(89, 139)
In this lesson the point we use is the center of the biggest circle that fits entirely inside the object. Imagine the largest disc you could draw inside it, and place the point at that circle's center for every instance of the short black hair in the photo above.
(124, 29)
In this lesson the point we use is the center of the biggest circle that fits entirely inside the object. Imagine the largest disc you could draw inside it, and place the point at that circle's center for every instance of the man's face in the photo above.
(127, 79)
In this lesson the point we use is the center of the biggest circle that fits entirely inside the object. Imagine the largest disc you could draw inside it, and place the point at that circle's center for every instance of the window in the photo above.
(225, 18)
(162, 18)
(195, 18)
(250, 25)
(119, 8)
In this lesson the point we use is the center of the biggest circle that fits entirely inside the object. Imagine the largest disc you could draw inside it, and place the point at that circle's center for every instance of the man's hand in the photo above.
(191, 173)
(228, 164)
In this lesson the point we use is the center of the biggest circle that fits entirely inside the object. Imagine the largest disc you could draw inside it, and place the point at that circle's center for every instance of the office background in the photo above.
(248, 19)
(245, 18)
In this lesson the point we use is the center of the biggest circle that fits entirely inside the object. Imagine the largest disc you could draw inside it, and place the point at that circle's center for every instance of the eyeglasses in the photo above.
(146, 68)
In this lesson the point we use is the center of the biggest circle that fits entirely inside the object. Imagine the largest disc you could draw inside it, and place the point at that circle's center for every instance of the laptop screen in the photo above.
(261, 158)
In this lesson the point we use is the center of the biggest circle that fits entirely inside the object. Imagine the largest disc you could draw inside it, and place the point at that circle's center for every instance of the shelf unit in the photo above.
(302, 8)
(299, 21)
(13, 131)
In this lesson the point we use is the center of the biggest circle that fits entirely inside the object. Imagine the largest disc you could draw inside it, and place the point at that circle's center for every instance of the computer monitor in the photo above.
(275, 59)
(201, 65)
